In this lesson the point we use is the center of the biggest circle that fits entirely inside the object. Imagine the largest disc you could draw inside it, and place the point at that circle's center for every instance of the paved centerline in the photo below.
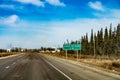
(58, 69)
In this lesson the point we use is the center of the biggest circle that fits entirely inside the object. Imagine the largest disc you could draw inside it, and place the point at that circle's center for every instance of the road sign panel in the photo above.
(72, 46)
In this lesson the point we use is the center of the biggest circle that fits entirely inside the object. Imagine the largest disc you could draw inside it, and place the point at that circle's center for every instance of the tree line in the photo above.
(104, 43)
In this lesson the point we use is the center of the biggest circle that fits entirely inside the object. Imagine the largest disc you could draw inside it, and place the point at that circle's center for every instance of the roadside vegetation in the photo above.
(8, 54)
(14, 51)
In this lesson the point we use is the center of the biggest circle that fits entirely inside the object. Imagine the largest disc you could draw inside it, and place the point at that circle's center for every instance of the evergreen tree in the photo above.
(118, 39)
(110, 31)
(87, 44)
(91, 49)
(95, 41)
(106, 44)
(101, 42)
(91, 39)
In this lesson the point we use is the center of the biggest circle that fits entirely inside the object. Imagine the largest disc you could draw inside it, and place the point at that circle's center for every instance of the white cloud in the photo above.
(34, 2)
(10, 20)
(114, 13)
(110, 13)
(55, 2)
(96, 5)
(12, 7)
(7, 6)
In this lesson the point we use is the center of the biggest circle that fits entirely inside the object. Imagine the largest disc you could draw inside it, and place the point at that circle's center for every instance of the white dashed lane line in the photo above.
(13, 63)
(10, 65)
(7, 67)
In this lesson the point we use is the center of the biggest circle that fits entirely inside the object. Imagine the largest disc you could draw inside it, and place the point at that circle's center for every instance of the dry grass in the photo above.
(113, 65)
(109, 64)
(8, 54)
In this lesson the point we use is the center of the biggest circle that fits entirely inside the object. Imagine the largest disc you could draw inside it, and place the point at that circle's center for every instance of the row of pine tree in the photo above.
(105, 43)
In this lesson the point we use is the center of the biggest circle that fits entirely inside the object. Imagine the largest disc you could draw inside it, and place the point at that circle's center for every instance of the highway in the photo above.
(34, 66)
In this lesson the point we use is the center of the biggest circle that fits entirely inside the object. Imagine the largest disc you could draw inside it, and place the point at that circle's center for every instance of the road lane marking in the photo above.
(7, 67)
(58, 69)
(13, 63)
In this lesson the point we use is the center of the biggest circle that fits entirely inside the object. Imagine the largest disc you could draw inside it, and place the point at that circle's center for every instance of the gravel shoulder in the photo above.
(78, 67)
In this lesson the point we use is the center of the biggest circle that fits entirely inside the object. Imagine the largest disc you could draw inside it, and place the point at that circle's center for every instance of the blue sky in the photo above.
(48, 23)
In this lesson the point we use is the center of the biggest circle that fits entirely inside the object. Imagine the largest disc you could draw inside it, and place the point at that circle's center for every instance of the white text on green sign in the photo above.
(72, 46)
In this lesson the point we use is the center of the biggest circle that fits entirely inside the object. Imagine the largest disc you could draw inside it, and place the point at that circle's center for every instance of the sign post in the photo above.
(77, 55)
(66, 54)
(72, 47)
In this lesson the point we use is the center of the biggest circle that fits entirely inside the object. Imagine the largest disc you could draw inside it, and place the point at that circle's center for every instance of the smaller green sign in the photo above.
(72, 46)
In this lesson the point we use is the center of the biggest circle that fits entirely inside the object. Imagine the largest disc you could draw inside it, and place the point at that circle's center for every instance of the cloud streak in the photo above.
(110, 13)
(55, 2)
(7, 6)
(96, 5)
(10, 20)
(33, 2)
(41, 3)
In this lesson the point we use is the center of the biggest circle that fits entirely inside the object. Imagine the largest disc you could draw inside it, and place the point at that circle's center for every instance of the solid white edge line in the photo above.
(57, 69)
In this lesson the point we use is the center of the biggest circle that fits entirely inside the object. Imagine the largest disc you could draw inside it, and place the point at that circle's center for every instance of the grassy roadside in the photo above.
(111, 65)
(8, 54)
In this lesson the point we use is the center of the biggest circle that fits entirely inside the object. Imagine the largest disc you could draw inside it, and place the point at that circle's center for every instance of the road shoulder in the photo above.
(86, 66)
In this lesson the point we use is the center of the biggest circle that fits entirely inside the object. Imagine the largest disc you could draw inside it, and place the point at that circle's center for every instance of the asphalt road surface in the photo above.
(33, 66)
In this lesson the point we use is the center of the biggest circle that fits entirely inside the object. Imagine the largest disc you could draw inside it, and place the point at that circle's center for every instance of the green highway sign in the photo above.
(72, 46)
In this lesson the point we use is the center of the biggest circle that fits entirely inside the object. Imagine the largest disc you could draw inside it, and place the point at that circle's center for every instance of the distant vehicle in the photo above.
(56, 50)
(8, 50)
